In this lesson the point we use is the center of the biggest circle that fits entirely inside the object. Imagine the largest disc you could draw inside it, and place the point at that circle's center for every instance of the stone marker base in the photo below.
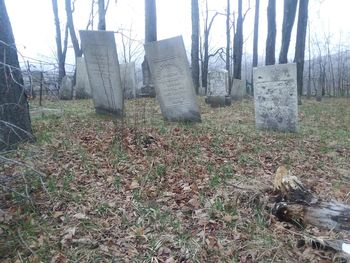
(218, 101)
(118, 113)
(147, 92)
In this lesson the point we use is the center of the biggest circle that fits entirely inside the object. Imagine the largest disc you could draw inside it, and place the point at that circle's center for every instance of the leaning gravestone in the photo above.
(172, 78)
(275, 97)
(128, 77)
(82, 87)
(102, 65)
(66, 88)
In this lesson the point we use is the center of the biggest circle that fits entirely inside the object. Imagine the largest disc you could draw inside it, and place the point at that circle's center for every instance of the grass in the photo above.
(155, 191)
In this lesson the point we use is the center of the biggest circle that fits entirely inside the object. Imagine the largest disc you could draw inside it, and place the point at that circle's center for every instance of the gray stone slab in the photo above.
(172, 79)
(238, 90)
(102, 65)
(128, 77)
(82, 87)
(66, 88)
(218, 83)
(276, 98)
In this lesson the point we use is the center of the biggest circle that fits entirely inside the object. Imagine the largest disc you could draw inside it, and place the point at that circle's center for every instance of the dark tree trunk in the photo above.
(195, 45)
(15, 123)
(300, 44)
(150, 36)
(238, 44)
(151, 21)
(205, 61)
(60, 57)
(70, 23)
(271, 33)
(256, 33)
(101, 15)
(290, 8)
(228, 44)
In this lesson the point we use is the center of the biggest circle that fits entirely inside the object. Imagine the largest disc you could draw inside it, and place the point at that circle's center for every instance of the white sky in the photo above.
(33, 22)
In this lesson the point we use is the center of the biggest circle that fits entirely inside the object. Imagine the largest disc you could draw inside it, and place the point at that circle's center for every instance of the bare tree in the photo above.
(195, 44)
(238, 44)
(228, 44)
(205, 61)
(290, 8)
(15, 123)
(70, 23)
(101, 15)
(300, 44)
(271, 33)
(150, 36)
(256, 33)
(61, 52)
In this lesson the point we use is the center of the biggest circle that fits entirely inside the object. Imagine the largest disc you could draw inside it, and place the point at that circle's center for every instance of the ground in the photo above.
(145, 190)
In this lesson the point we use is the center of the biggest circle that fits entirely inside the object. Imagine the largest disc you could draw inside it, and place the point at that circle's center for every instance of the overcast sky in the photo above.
(34, 30)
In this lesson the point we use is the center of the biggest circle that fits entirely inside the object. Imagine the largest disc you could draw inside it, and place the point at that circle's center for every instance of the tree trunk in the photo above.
(300, 206)
(238, 45)
(151, 21)
(60, 57)
(300, 44)
(256, 33)
(271, 33)
(101, 15)
(206, 57)
(228, 45)
(15, 123)
(195, 45)
(150, 36)
(290, 8)
(70, 23)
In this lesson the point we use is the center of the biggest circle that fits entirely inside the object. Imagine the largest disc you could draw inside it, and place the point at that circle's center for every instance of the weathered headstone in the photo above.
(275, 97)
(218, 83)
(82, 87)
(238, 90)
(128, 77)
(66, 88)
(102, 65)
(218, 89)
(172, 79)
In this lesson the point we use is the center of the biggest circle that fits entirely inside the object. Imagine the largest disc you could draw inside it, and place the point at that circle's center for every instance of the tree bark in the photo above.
(150, 21)
(271, 33)
(205, 62)
(150, 36)
(300, 206)
(15, 125)
(195, 44)
(60, 57)
(256, 33)
(101, 15)
(290, 8)
(300, 44)
(228, 44)
(77, 50)
(238, 45)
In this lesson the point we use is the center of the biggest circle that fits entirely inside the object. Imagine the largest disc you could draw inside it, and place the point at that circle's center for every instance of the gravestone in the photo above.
(128, 77)
(238, 90)
(218, 83)
(102, 65)
(172, 79)
(66, 88)
(275, 97)
(82, 87)
(218, 89)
